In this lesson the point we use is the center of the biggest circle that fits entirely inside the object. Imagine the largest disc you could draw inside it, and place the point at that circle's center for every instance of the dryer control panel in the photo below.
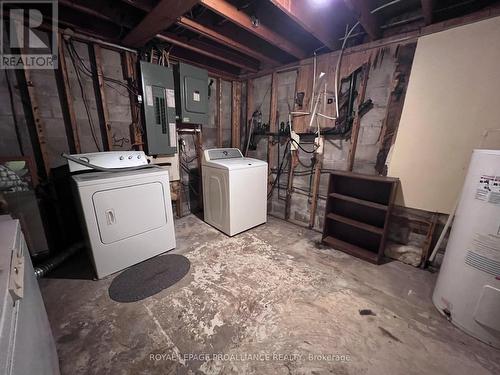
(109, 159)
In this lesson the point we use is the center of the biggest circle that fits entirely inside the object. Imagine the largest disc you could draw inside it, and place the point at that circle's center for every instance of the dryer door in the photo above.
(128, 211)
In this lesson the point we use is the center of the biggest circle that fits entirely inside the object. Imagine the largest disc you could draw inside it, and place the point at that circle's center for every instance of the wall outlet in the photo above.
(295, 141)
(318, 142)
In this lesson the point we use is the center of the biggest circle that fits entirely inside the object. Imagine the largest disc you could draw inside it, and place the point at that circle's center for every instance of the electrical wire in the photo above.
(85, 103)
(302, 148)
(341, 54)
(279, 171)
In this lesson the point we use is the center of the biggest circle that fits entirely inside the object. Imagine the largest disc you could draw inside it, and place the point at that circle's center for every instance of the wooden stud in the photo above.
(66, 99)
(236, 114)
(250, 110)
(289, 190)
(315, 189)
(427, 10)
(199, 156)
(273, 118)
(357, 119)
(128, 61)
(428, 240)
(100, 94)
(218, 111)
(36, 125)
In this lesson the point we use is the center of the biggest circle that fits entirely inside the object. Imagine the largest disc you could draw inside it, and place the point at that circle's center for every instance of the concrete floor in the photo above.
(268, 301)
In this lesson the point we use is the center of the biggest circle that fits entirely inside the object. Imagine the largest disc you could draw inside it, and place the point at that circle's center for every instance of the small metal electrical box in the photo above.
(191, 94)
(158, 89)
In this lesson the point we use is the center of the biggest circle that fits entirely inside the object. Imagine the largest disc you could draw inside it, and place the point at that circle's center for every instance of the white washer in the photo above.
(127, 215)
(234, 190)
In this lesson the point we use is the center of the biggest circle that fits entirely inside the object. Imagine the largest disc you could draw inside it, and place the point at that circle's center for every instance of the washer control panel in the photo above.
(109, 159)
(222, 153)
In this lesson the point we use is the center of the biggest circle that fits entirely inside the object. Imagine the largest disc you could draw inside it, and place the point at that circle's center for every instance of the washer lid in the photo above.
(96, 178)
(236, 164)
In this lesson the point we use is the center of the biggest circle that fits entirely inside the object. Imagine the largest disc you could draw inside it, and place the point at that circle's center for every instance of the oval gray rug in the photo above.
(148, 278)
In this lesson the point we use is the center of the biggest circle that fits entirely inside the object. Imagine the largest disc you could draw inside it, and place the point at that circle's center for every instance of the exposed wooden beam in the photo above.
(66, 99)
(208, 50)
(365, 17)
(36, 125)
(164, 14)
(223, 39)
(427, 9)
(236, 114)
(100, 96)
(315, 20)
(273, 127)
(218, 111)
(250, 110)
(231, 13)
(129, 62)
(357, 118)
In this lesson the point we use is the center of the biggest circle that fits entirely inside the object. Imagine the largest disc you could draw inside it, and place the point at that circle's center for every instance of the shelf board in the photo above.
(352, 249)
(355, 223)
(359, 201)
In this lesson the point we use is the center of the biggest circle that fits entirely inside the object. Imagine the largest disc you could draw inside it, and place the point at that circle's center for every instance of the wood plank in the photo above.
(359, 201)
(225, 40)
(236, 114)
(385, 179)
(36, 125)
(231, 13)
(250, 110)
(357, 119)
(273, 126)
(100, 94)
(317, 20)
(218, 111)
(351, 249)
(355, 223)
(66, 100)
(163, 15)
(209, 50)
(427, 10)
(315, 189)
(128, 61)
(365, 17)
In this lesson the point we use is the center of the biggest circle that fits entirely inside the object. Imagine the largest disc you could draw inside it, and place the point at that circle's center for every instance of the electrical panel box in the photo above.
(191, 94)
(158, 88)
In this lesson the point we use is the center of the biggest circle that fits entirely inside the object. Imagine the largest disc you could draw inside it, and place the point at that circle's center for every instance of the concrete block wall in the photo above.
(378, 89)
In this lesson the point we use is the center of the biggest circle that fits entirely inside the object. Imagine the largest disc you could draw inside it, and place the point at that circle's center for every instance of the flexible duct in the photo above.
(49, 265)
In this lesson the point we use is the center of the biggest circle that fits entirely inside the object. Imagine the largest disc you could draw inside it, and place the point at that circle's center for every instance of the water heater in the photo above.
(468, 286)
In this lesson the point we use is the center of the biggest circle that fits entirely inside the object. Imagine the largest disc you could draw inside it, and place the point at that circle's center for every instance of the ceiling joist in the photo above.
(365, 17)
(231, 13)
(223, 39)
(427, 9)
(211, 51)
(315, 20)
(164, 14)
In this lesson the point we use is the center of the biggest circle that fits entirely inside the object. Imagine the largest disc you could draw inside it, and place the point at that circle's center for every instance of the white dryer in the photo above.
(127, 215)
(234, 190)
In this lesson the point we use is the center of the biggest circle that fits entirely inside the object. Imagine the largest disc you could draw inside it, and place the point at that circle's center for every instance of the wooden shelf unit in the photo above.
(357, 214)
